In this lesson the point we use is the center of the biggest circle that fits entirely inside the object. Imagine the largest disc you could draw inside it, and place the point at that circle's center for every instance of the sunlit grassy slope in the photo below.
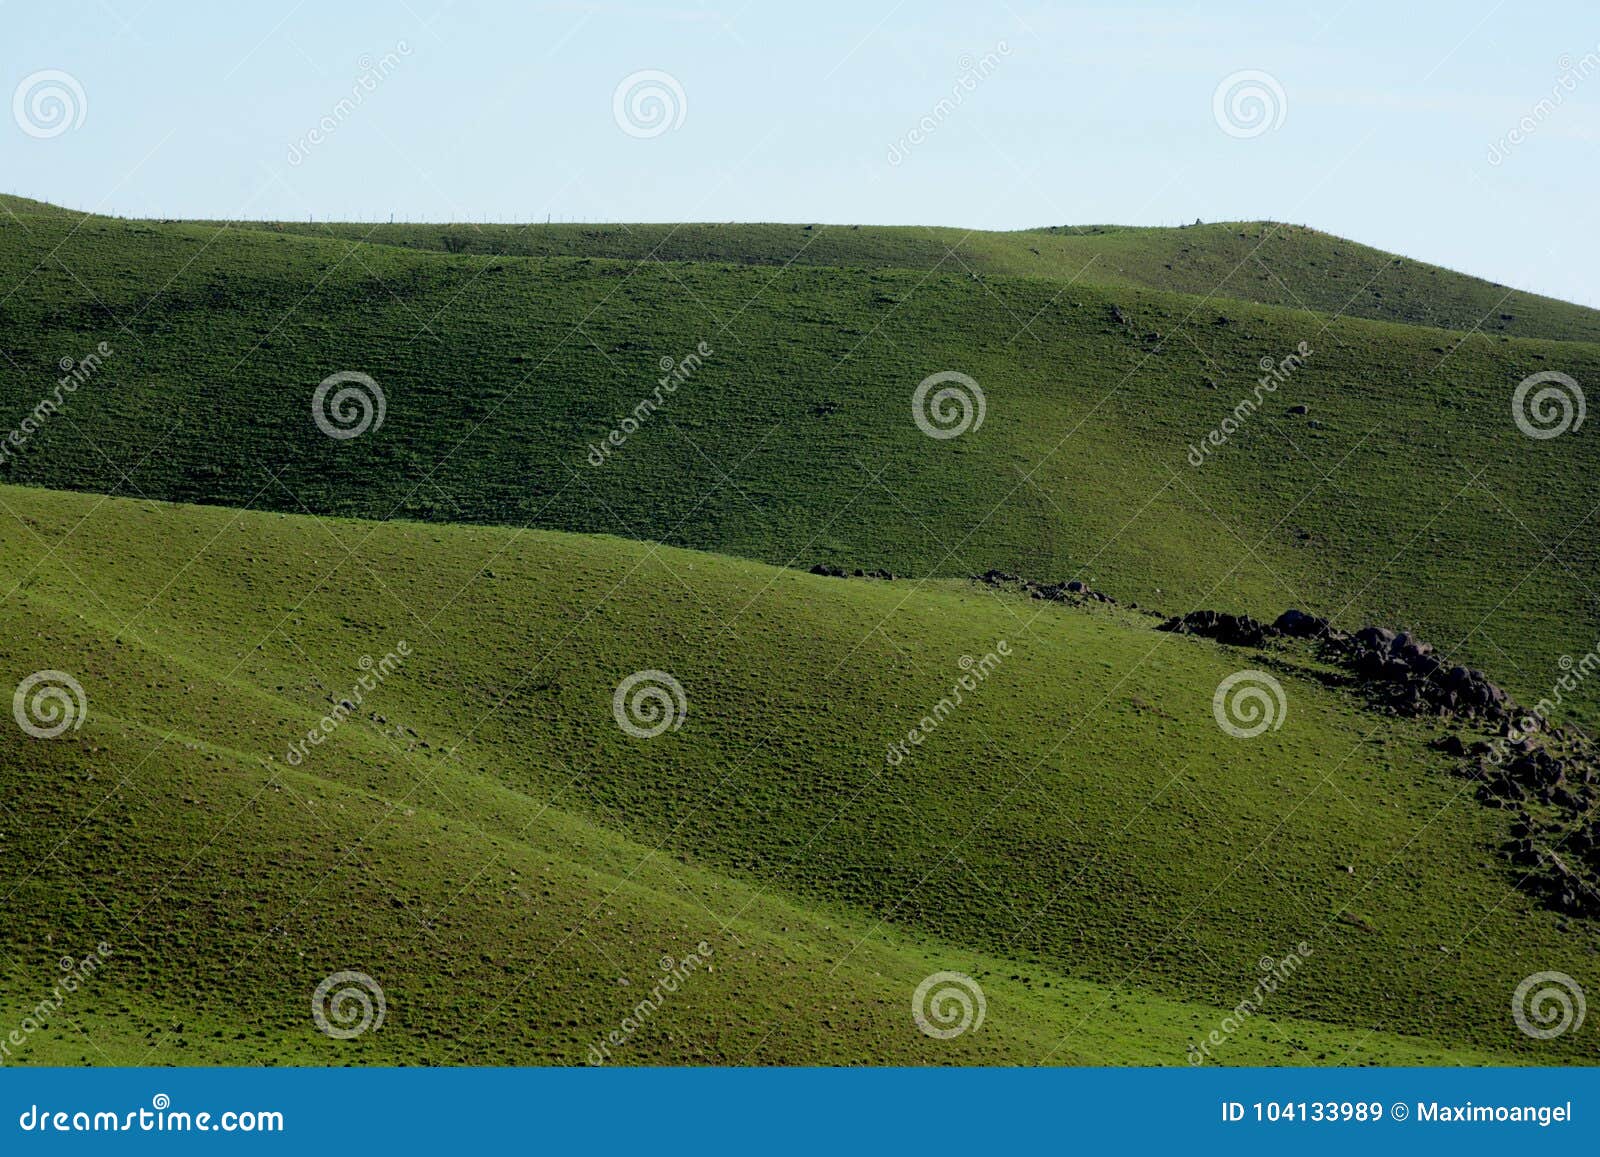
(488, 844)
(1405, 495)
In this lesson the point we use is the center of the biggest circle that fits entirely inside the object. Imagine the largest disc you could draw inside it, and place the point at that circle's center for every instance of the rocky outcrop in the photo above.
(1235, 630)
(1400, 670)
(1413, 680)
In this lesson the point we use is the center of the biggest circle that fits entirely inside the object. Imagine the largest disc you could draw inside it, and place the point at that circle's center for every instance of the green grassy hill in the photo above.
(484, 840)
(1271, 263)
(1405, 495)
(1267, 262)
(512, 866)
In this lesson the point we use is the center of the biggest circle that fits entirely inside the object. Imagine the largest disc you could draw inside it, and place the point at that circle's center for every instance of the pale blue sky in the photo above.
(789, 113)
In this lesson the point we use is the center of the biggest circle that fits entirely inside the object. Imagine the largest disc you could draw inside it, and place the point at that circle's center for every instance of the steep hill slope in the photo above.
(1271, 263)
(1407, 494)
(483, 838)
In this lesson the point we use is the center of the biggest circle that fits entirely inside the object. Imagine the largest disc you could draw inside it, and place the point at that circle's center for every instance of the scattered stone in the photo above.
(1071, 591)
(1554, 849)
(828, 571)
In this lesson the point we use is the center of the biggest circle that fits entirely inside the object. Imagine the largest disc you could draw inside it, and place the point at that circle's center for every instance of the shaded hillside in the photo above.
(1267, 262)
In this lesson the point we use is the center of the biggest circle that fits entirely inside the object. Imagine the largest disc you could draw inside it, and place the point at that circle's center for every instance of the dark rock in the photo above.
(1299, 625)
(1379, 639)
(1236, 630)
